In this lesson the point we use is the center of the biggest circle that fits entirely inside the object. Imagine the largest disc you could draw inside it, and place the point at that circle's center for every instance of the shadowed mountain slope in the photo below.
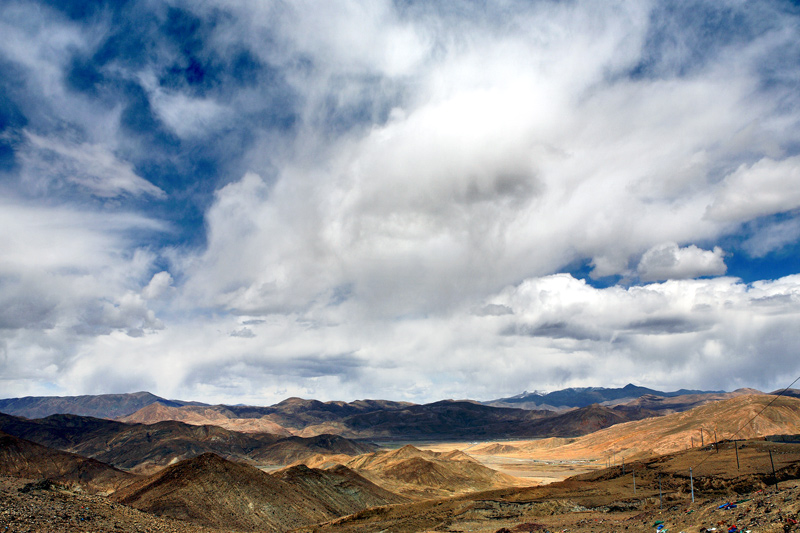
(133, 445)
(340, 489)
(726, 419)
(293, 449)
(200, 415)
(585, 396)
(99, 406)
(26, 459)
(297, 413)
(212, 491)
(143, 447)
(368, 419)
(424, 474)
(469, 420)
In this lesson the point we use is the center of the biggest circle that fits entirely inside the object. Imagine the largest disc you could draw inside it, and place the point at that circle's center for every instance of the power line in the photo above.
(754, 416)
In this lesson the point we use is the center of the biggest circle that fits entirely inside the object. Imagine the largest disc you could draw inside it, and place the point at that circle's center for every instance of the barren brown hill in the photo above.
(200, 415)
(134, 446)
(25, 459)
(35, 507)
(663, 405)
(730, 418)
(293, 449)
(470, 420)
(423, 474)
(341, 490)
(321, 460)
(212, 491)
(99, 406)
(145, 448)
(297, 413)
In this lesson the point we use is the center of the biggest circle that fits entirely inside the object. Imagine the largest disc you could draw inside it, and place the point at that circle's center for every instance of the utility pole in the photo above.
(716, 442)
(633, 471)
(691, 482)
(773, 469)
(701, 438)
(736, 447)
(660, 496)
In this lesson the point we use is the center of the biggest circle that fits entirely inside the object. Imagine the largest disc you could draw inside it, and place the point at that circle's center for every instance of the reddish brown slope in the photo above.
(211, 491)
(26, 459)
(200, 415)
(340, 489)
(680, 431)
(423, 474)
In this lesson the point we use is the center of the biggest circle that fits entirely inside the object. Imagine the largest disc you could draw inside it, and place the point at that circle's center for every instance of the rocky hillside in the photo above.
(99, 406)
(203, 415)
(25, 459)
(422, 474)
(679, 431)
(340, 489)
(144, 448)
(212, 491)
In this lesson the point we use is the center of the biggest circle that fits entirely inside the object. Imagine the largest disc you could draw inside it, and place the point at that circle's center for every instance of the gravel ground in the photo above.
(28, 507)
(766, 511)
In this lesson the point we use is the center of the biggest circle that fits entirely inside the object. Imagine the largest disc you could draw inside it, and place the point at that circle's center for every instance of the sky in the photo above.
(240, 202)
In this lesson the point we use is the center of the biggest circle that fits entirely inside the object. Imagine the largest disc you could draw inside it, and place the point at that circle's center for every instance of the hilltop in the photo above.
(422, 474)
(212, 491)
(25, 459)
(146, 448)
(670, 433)
(99, 406)
(202, 415)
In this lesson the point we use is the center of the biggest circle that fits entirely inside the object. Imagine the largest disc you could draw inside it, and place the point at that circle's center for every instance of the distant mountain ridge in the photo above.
(586, 396)
(567, 413)
(141, 448)
(98, 406)
(300, 413)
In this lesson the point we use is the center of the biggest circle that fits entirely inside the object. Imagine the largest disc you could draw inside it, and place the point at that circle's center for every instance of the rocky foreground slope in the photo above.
(23, 458)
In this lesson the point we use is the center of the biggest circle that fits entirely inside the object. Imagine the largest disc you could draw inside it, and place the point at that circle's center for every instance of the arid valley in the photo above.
(692, 461)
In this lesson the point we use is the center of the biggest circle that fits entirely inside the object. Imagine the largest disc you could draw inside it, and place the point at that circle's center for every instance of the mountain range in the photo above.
(585, 396)
(300, 413)
(99, 406)
(219, 479)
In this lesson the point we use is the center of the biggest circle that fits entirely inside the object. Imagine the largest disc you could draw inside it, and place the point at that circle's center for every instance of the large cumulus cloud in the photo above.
(384, 199)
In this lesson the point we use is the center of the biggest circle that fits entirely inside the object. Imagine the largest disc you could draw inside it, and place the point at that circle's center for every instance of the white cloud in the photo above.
(91, 166)
(159, 286)
(187, 116)
(401, 239)
(764, 188)
(669, 261)
(709, 333)
(510, 157)
(68, 276)
(350, 36)
(770, 237)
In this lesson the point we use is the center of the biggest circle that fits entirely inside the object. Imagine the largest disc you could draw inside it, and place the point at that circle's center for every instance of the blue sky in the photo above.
(241, 202)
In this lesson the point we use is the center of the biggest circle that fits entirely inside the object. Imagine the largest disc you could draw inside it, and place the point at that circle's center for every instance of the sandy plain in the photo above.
(513, 458)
